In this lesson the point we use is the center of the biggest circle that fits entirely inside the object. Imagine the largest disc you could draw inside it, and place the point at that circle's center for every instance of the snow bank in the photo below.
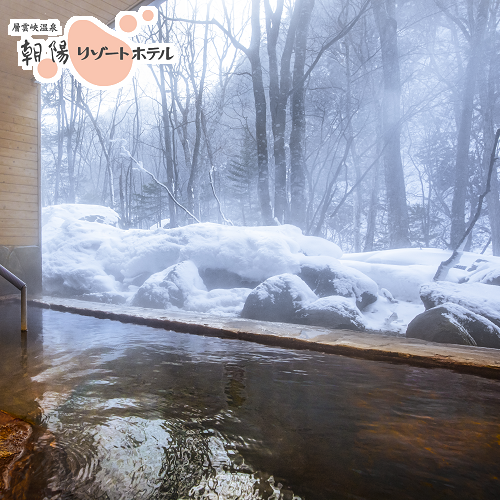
(85, 255)
(254, 253)
(403, 271)
(82, 257)
(415, 256)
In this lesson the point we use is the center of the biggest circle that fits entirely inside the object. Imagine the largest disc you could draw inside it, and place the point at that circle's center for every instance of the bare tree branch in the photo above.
(446, 265)
(142, 169)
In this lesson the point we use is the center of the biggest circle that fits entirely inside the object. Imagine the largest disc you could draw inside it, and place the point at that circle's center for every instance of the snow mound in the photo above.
(213, 268)
(252, 253)
(402, 281)
(71, 212)
(414, 256)
(86, 256)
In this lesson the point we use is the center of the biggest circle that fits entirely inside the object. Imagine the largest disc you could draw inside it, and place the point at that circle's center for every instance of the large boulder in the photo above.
(170, 287)
(453, 324)
(278, 298)
(332, 312)
(330, 277)
(476, 297)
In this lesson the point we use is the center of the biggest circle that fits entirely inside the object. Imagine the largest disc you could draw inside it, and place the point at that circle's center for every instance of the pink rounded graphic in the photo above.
(104, 59)
(47, 68)
(128, 23)
(148, 15)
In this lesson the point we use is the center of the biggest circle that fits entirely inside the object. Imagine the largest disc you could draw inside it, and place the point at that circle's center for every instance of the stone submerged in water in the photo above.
(14, 437)
(453, 324)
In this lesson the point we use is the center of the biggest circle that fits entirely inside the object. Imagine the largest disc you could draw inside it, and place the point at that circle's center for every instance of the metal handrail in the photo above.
(20, 285)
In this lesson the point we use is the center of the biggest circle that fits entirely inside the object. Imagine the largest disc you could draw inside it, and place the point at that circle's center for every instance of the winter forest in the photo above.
(368, 123)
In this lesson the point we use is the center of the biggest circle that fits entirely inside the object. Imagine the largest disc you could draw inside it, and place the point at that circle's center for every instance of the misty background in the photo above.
(369, 123)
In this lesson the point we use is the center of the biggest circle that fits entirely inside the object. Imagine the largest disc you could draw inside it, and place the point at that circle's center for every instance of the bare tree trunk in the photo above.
(60, 142)
(70, 129)
(253, 54)
(279, 87)
(297, 135)
(172, 210)
(194, 173)
(488, 100)
(122, 199)
(371, 220)
(105, 144)
(464, 132)
(358, 194)
(384, 11)
(168, 146)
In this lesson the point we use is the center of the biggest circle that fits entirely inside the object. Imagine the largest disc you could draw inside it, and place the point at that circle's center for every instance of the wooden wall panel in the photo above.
(19, 146)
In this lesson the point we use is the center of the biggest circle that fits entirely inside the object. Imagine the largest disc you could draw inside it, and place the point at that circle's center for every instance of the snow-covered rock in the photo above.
(181, 287)
(170, 287)
(332, 312)
(326, 276)
(484, 272)
(278, 298)
(477, 297)
(453, 324)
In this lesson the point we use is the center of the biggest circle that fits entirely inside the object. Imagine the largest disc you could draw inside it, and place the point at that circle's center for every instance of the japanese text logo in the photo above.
(96, 55)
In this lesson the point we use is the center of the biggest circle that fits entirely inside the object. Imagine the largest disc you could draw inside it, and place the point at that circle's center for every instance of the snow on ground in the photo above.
(86, 255)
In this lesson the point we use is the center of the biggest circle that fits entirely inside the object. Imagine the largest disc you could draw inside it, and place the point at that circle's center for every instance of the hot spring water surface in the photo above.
(130, 412)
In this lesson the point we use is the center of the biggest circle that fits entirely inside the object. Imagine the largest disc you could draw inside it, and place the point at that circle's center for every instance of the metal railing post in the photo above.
(24, 308)
(20, 285)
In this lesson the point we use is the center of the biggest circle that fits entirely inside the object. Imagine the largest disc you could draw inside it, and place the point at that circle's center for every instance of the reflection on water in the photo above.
(124, 411)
